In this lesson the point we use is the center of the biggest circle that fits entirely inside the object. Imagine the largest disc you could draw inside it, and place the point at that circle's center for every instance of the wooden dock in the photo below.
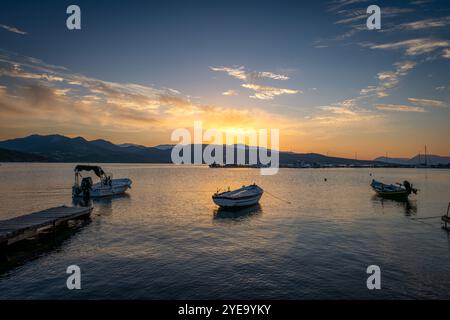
(30, 225)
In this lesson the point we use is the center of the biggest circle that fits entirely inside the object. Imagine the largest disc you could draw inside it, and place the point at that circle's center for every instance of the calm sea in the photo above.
(308, 239)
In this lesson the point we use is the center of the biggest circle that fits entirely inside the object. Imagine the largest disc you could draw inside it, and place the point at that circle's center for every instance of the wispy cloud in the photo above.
(388, 80)
(352, 16)
(346, 111)
(420, 106)
(399, 108)
(421, 2)
(244, 75)
(355, 20)
(13, 29)
(250, 81)
(33, 99)
(446, 54)
(413, 47)
(266, 92)
(428, 103)
(338, 4)
(424, 24)
(238, 73)
(230, 93)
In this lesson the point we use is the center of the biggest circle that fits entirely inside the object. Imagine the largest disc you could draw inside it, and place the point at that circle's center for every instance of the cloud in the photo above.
(15, 70)
(13, 29)
(413, 47)
(425, 24)
(420, 2)
(446, 54)
(241, 74)
(344, 112)
(34, 101)
(271, 75)
(338, 4)
(428, 103)
(238, 73)
(266, 92)
(351, 16)
(399, 108)
(355, 19)
(339, 110)
(230, 93)
(420, 106)
(387, 80)
(250, 79)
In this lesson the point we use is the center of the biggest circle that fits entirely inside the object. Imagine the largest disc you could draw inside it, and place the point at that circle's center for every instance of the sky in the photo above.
(138, 70)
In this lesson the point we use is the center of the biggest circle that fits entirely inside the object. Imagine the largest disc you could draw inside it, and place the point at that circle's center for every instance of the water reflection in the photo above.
(237, 214)
(104, 204)
(24, 251)
(409, 207)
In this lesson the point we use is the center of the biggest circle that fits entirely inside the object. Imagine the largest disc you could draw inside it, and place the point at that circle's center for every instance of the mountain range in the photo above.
(59, 148)
(419, 159)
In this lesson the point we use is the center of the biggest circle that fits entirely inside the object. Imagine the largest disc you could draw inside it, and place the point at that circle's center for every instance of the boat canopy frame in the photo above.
(97, 170)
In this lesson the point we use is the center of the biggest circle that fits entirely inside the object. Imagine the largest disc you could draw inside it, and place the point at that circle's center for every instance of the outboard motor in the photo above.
(409, 187)
(86, 187)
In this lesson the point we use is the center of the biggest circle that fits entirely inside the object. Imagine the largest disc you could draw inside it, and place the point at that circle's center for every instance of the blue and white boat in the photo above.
(397, 190)
(242, 197)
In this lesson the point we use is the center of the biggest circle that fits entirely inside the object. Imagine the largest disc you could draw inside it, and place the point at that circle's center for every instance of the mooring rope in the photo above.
(281, 199)
(433, 217)
(423, 222)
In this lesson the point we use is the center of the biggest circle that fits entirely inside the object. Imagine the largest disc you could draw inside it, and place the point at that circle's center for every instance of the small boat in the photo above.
(242, 197)
(397, 190)
(106, 187)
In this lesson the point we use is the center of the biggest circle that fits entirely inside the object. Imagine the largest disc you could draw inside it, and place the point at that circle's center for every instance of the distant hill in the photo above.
(417, 160)
(15, 156)
(124, 145)
(165, 146)
(288, 157)
(58, 148)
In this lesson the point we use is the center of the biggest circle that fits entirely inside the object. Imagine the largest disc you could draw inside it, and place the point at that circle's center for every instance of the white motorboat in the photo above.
(242, 197)
(106, 187)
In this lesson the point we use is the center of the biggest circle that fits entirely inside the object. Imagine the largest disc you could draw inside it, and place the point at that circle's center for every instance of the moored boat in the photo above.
(398, 190)
(106, 187)
(242, 197)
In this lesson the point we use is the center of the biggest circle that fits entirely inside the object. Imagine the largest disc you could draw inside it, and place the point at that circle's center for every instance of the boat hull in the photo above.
(237, 203)
(394, 195)
(99, 190)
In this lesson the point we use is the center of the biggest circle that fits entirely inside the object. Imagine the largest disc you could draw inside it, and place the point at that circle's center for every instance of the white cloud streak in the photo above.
(241, 74)
(266, 92)
(13, 29)
(428, 103)
(413, 47)
(250, 79)
(399, 108)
